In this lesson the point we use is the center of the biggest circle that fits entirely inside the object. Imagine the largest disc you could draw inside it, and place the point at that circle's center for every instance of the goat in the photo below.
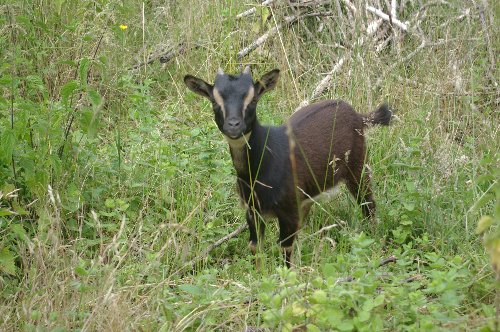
(281, 169)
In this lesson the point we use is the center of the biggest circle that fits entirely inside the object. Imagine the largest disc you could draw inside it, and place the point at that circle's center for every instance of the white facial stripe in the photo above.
(219, 100)
(248, 99)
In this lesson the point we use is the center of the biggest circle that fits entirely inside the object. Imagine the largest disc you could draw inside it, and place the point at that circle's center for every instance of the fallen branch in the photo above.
(259, 41)
(351, 7)
(163, 56)
(416, 277)
(214, 245)
(309, 3)
(390, 259)
(325, 82)
(385, 17)
(252, 10)
(271, 32)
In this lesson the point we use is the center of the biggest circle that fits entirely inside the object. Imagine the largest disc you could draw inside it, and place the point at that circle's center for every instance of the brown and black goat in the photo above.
(281, 169)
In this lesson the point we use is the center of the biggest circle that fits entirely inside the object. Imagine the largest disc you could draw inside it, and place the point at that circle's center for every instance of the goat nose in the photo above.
(233, 123)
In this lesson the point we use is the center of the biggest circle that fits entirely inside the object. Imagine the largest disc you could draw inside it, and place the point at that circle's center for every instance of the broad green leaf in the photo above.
(95, 98)
(83, 70)
(319, 296)
(67, 90)
(19, 230)
(7, 263)
(329, 270)
(191, 289)
(5, 212)
(312, 328)
(363, 316)
(81, 271)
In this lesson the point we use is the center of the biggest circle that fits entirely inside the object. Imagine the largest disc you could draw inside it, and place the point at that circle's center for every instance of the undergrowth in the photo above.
(114, 180)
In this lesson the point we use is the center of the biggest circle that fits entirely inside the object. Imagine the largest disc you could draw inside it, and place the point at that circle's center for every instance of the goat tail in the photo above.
(381, 116)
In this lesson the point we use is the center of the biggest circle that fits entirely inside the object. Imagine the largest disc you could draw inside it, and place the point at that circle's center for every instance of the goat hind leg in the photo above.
(289, 225)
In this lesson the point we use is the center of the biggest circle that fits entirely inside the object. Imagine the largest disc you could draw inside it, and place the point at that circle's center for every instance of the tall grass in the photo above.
(113, 179)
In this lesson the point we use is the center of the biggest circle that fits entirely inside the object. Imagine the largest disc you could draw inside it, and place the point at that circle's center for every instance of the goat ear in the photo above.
(266, 82)
(199, 86)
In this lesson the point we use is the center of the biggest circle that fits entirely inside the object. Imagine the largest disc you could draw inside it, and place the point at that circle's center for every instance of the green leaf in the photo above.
(346, 325)
(483, 224)
(95, 98)
(329, 270)
(8, 143)
(7, 262)
(312, 328)
(83, 70)
(378, 300)
(19, 231)
(191, 289)
(409, 206)
(110, 203)
(67, 91)
(319, 296)
(363, 316)
(5, 212)
(81, 271)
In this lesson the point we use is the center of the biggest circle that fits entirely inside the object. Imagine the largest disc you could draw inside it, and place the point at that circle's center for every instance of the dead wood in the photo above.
(164, 55)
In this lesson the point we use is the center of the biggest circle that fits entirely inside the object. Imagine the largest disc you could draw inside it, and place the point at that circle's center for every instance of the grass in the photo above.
(96, 236)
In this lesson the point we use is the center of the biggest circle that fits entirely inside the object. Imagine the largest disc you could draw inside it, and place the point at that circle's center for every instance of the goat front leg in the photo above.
(257, 229)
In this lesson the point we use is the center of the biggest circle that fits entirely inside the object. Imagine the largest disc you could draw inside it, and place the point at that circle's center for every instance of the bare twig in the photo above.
(384, 16)
(390, 259)
(272, 31)
(253, 9)
(309, 3)
(413, 278)
(217, 243)
(351, 7)
(323, 84)
(164, 56)
(259, 41)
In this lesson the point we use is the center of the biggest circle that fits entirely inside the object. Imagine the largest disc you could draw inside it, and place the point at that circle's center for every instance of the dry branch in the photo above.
(351, 7)
(325, 82)
(217, 243)
(384, 16)
(253, 9)
(390, 259)
(164, 56)
(259, 41)
(309, 3)
(271, 32)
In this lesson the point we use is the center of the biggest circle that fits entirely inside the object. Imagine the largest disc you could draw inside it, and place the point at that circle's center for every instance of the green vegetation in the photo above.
(114, 179)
